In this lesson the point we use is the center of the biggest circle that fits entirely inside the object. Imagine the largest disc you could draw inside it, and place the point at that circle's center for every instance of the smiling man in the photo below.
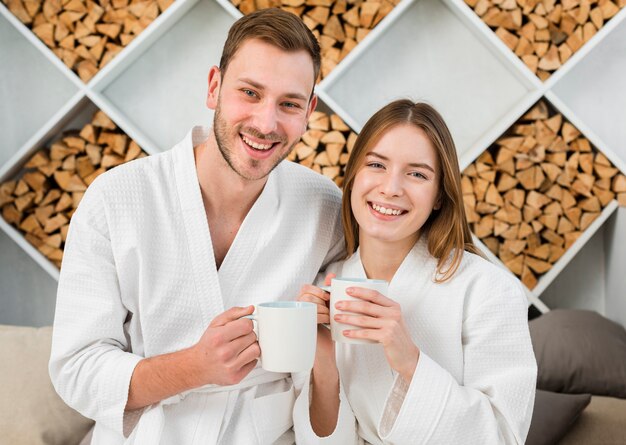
(166, 254)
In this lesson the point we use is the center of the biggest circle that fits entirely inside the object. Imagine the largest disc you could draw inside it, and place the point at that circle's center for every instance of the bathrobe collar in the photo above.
(216, 287)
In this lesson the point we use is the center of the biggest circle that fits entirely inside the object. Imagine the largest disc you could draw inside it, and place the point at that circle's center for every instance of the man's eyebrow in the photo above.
(417, 165)
(260, 87)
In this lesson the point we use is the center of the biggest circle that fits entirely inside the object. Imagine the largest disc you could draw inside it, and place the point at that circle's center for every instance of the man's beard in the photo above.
(221, 130)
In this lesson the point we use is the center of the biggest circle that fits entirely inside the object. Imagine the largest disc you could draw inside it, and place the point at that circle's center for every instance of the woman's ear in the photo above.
(437, 205)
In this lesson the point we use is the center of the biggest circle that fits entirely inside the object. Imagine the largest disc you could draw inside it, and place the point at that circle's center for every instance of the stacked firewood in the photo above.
(338, 25)
(545, 33)
(87, 34)
(326, 146)
(534, 192)
(42, 200)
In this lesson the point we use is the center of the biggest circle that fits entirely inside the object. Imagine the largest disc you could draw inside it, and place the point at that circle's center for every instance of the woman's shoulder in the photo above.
(485, 279)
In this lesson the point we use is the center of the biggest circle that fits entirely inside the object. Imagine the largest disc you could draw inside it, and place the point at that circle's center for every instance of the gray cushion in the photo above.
(553, 416)
(579, 352)
(31, 412)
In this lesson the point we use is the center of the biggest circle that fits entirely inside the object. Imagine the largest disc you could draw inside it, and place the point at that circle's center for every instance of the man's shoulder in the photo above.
(297, 180)
(136, 171)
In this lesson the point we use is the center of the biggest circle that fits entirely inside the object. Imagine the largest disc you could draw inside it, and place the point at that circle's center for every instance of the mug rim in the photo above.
(286, 304)
(359, 280)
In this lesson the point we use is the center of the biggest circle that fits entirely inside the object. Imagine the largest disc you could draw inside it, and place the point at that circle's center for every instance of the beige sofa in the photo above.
(32, 413)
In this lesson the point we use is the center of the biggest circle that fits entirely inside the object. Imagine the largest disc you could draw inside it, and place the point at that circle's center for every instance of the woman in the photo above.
(454, 362)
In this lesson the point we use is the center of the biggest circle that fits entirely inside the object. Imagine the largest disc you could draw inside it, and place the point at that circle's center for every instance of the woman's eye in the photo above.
(375, 165)
(418, 175)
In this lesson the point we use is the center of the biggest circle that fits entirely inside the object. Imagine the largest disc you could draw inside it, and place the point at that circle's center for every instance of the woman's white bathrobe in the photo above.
(139, 279)
(475, 379)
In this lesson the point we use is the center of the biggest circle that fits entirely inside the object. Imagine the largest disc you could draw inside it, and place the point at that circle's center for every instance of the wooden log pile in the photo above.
(43, 198)
(326, 146)
(87, 34)
(533, 193)
(338, 25)
(545, 33)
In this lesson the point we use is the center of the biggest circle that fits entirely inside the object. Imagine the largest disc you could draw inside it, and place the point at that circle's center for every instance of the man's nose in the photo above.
(265, 118)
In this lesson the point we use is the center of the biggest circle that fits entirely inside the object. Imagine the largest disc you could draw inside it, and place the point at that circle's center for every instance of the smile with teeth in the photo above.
(385, 211)
(255, 145)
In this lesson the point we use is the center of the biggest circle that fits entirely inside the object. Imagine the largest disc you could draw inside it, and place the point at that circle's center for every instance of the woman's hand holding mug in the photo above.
(325, 352)
(380, 319)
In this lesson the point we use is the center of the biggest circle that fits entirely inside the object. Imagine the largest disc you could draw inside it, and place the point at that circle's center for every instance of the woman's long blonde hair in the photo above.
(447, 229)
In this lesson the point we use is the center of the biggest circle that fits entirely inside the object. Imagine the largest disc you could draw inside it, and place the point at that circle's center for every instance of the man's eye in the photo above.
(291, 105)
(248, 92)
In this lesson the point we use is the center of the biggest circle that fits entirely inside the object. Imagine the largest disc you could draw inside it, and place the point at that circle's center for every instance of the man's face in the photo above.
(261, 106)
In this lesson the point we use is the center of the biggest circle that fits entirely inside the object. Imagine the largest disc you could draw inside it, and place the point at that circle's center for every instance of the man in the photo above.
(160, 247)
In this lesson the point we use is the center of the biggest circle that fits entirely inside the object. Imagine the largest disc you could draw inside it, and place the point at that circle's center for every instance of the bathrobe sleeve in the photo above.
(494, 403)
(89, 364)
(345, 432)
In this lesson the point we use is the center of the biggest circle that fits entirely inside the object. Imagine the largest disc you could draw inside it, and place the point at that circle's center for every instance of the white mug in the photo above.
(287, 332)
(337, 289)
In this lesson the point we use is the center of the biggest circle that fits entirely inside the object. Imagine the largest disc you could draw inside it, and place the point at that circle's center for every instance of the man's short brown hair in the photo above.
(276, 27)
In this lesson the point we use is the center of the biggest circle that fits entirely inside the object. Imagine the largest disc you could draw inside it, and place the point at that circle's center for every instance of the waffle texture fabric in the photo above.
(475, 379)
(139, 279)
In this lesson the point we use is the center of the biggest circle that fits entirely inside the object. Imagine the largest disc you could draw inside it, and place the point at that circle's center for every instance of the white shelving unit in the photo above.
(438, 51)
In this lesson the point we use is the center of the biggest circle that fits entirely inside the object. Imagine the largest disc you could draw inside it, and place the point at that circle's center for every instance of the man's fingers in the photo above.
(234, 313)
(235, 329)
(249, 355)
(241, 343)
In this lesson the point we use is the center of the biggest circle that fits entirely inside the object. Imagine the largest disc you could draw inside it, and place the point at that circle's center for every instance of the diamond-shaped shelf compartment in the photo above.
(545, 33)
(177, 63)
(538, 194)
(326, 145)
(447, 64)
(35, 93)
(87, 34)
(39, 197)
(339, 25)
(594, 90)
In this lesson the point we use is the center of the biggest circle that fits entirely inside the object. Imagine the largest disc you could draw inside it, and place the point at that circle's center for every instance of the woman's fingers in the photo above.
(370, 295)
(328, 278)
(361, 321)
(309, 289)
(365, 308)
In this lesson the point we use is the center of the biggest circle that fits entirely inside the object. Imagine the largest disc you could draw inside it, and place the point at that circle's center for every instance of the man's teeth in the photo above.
(385, 211)
(255, 145)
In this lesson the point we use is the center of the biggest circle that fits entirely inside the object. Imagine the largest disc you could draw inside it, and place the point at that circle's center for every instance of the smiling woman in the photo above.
(453, 361)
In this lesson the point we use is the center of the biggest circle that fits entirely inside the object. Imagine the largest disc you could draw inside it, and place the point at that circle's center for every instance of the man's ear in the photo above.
(215, 82)
(311, 108)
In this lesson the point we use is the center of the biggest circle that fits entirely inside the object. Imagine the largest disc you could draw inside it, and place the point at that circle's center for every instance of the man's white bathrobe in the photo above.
(475, 378)
(139, 279)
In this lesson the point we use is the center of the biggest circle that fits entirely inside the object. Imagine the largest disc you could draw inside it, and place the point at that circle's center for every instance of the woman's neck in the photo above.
(381, 259)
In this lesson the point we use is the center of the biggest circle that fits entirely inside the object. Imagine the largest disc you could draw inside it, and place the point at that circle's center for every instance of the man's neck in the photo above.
(227, 197)
(224, 192)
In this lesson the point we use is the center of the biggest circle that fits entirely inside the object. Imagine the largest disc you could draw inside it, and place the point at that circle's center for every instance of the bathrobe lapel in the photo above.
(251, 234)
(197, 231)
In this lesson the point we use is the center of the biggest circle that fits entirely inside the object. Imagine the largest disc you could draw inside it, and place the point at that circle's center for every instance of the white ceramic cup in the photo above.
(337, 289)
(287, 332)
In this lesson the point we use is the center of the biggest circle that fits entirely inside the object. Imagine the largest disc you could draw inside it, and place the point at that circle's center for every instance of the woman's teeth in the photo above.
(255, 145)
(385, 211)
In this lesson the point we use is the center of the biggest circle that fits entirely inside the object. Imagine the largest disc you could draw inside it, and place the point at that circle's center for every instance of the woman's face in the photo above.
(396, 187)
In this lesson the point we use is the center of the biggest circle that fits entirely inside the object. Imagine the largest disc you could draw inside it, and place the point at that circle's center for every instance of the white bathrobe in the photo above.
(475, 379)
(139, 279)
